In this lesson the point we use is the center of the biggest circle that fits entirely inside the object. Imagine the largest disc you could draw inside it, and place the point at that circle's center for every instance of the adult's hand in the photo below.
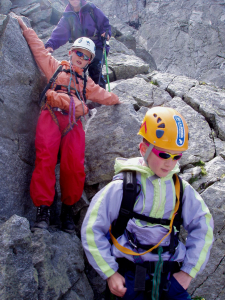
(103, 35)
(183, 278)
(116, 284)
(23, 26)
(50, 49)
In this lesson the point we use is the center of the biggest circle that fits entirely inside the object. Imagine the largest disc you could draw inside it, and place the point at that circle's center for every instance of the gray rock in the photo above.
(57, 11)
(126, 66)
(214, 198)
(22, 2)
(160, 79)
(190, 174)
(118, 123)
(213, 171)
(5, 6)
(44, 15)
(44, 265)
(19, 93)
(220, 146)
(58, 259)
(212, 276)
(30, 9)
(118, 47)
(144, 94)
(201, 146)
(210, 102)
(184, 38)
(3, 23)
(18, 278)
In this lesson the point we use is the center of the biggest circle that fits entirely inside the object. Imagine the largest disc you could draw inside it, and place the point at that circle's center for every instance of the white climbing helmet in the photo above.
(85, 43)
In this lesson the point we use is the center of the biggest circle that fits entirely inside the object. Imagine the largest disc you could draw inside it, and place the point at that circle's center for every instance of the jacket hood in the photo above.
(135, 164)
(69, 8)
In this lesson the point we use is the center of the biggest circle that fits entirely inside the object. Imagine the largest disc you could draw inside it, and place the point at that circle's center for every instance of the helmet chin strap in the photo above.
(148, 151)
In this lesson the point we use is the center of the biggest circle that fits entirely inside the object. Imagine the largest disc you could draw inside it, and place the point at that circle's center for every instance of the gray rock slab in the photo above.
(212, 276)
(44, 15)
(145, 94)
(22, 2)
(214, 197)
(58, 260)
(33, 8)
(127, 66)
(5, 6)
(201, 145)
(3, 23)
(210, 102)
(57, 11)
(184, 37)
(111, 133)
(18, 117)
(160, 79)
(220, 146)
(215, 171)
(118, 47)
(17, 274)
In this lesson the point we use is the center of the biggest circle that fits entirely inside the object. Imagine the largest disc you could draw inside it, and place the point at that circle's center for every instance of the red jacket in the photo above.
(48, 65)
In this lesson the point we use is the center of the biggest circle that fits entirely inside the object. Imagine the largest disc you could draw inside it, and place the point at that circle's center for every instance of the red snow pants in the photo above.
(48, 142)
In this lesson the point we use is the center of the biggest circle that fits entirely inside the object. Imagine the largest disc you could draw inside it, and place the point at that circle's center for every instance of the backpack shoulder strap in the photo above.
(178, 217)
(127, 204)
(58, 70)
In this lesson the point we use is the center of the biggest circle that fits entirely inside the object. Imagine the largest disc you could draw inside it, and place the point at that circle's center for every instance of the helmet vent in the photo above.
(159, 133)
(159, 120)
(162, 125)
(155, 115)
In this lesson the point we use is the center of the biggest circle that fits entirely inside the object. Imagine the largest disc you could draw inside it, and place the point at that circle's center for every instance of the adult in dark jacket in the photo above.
(82, 18)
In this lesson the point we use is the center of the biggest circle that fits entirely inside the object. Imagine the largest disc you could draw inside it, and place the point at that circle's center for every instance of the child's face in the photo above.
(161, 167)
(79, 61)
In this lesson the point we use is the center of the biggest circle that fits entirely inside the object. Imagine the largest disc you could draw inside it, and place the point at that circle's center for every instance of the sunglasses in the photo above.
(166, 155)
(81, 54)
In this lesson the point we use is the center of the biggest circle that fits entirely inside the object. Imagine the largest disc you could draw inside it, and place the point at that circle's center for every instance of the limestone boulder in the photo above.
(126, 66)
(43, 265)
(201, 145)
(112, 131)
(20, 86)
(210, 102)
(144, 94)
(5, 6)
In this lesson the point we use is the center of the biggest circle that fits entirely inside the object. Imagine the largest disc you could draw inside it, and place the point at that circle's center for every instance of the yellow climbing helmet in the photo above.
(165, 128)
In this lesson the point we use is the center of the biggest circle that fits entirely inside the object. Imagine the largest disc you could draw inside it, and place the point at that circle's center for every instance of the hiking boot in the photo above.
(42, 218)
(67, 218)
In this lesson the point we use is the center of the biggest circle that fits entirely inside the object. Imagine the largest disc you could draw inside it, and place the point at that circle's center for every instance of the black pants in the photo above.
(95, 68)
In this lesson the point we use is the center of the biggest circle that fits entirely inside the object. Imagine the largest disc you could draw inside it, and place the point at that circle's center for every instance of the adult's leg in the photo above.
(95, 68)
(72, 175)
(48, 137)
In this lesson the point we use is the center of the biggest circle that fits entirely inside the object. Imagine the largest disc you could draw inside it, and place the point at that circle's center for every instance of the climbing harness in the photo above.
(71, 91)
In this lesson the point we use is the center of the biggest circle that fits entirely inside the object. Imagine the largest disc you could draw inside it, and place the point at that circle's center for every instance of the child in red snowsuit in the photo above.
(59, 127)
